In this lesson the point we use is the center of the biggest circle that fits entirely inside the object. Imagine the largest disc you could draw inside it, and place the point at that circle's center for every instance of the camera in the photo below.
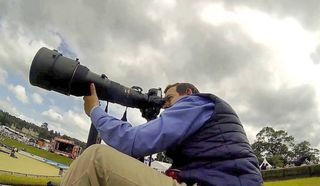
(50, 70)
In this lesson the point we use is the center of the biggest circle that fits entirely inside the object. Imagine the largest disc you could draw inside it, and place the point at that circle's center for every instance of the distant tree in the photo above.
(276, 161)
(280, 149)
(259, 150)
(270, 143)
(44, 125)
(304, 149)
(57, 133)
(5, 118)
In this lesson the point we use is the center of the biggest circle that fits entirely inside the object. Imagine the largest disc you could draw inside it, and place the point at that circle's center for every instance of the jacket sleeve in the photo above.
(174, 125)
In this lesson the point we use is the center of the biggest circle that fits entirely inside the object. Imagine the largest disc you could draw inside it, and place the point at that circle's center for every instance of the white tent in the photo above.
(266, 164)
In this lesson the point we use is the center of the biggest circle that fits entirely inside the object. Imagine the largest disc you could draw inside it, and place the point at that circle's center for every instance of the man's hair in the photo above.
(182, 88)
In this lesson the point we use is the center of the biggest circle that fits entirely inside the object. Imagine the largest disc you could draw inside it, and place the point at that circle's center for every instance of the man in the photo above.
(200, 132)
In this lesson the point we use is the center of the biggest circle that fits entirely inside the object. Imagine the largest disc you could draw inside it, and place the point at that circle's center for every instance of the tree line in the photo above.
(280, 148)
(8, 120)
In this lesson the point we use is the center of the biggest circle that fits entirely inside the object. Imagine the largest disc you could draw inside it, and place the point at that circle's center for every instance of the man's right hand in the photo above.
(91, 101)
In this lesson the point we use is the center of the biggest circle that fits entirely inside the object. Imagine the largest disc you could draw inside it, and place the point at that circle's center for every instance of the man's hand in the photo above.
(91, 101)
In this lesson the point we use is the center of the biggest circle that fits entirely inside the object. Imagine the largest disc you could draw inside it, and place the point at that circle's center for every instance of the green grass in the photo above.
(26, 165)
(315, 181)
(38, 152)
(19, 180)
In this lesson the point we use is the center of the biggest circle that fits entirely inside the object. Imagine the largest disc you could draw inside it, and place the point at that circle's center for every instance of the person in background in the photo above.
(61, 171)
(200, 132)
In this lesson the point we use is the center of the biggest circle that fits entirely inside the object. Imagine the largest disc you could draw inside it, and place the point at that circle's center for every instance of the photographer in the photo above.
(200, 132)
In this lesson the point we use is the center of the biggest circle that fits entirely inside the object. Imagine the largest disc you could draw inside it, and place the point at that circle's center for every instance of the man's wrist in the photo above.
(93, 109)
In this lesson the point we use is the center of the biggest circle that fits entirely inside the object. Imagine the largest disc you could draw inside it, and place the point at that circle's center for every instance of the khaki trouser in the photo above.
(103, 165)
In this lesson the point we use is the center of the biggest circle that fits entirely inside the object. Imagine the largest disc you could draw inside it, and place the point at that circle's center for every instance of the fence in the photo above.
(292, 172)
(27, 175)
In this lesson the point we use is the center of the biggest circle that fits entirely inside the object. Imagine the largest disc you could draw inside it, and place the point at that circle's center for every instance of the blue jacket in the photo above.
(219, 153)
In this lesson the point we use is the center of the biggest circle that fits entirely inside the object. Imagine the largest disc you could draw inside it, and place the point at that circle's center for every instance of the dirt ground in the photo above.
(26, 165)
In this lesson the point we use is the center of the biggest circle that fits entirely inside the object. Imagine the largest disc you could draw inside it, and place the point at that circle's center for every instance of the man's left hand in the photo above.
(91, 101)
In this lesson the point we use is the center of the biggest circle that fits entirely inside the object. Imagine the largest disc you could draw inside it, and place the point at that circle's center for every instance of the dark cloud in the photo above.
(214, 56)
(95, 24)
(293, 109)
(283, 105)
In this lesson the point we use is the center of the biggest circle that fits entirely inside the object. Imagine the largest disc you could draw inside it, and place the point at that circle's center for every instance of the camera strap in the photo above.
(124, 117)
(106, 109)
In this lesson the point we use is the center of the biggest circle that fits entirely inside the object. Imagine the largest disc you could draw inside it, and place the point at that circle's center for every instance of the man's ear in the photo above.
(188, 91)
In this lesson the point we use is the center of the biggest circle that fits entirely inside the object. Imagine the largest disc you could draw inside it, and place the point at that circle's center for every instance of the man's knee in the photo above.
(93, 149)
(98, 151)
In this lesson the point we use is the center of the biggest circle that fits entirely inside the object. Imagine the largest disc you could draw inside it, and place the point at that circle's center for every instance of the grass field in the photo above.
(38, 152)
(26, 165)
(18, 180)
(296, 182)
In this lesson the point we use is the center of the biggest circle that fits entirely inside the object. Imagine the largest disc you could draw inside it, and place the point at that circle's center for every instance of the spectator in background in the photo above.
(61, 171)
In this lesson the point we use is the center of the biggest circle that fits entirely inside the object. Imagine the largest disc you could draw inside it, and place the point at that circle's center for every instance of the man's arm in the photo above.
(172, 127)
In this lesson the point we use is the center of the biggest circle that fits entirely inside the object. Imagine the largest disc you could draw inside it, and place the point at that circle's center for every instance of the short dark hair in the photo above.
(182, 88)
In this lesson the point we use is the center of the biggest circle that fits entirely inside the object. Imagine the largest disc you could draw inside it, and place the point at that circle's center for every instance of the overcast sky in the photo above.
(263, 57)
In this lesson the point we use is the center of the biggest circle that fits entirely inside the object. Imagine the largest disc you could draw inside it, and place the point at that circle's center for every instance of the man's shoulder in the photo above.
(195, 99)
(202, 97)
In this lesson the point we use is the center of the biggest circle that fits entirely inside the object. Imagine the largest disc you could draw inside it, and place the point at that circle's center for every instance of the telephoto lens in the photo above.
(50, 70)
